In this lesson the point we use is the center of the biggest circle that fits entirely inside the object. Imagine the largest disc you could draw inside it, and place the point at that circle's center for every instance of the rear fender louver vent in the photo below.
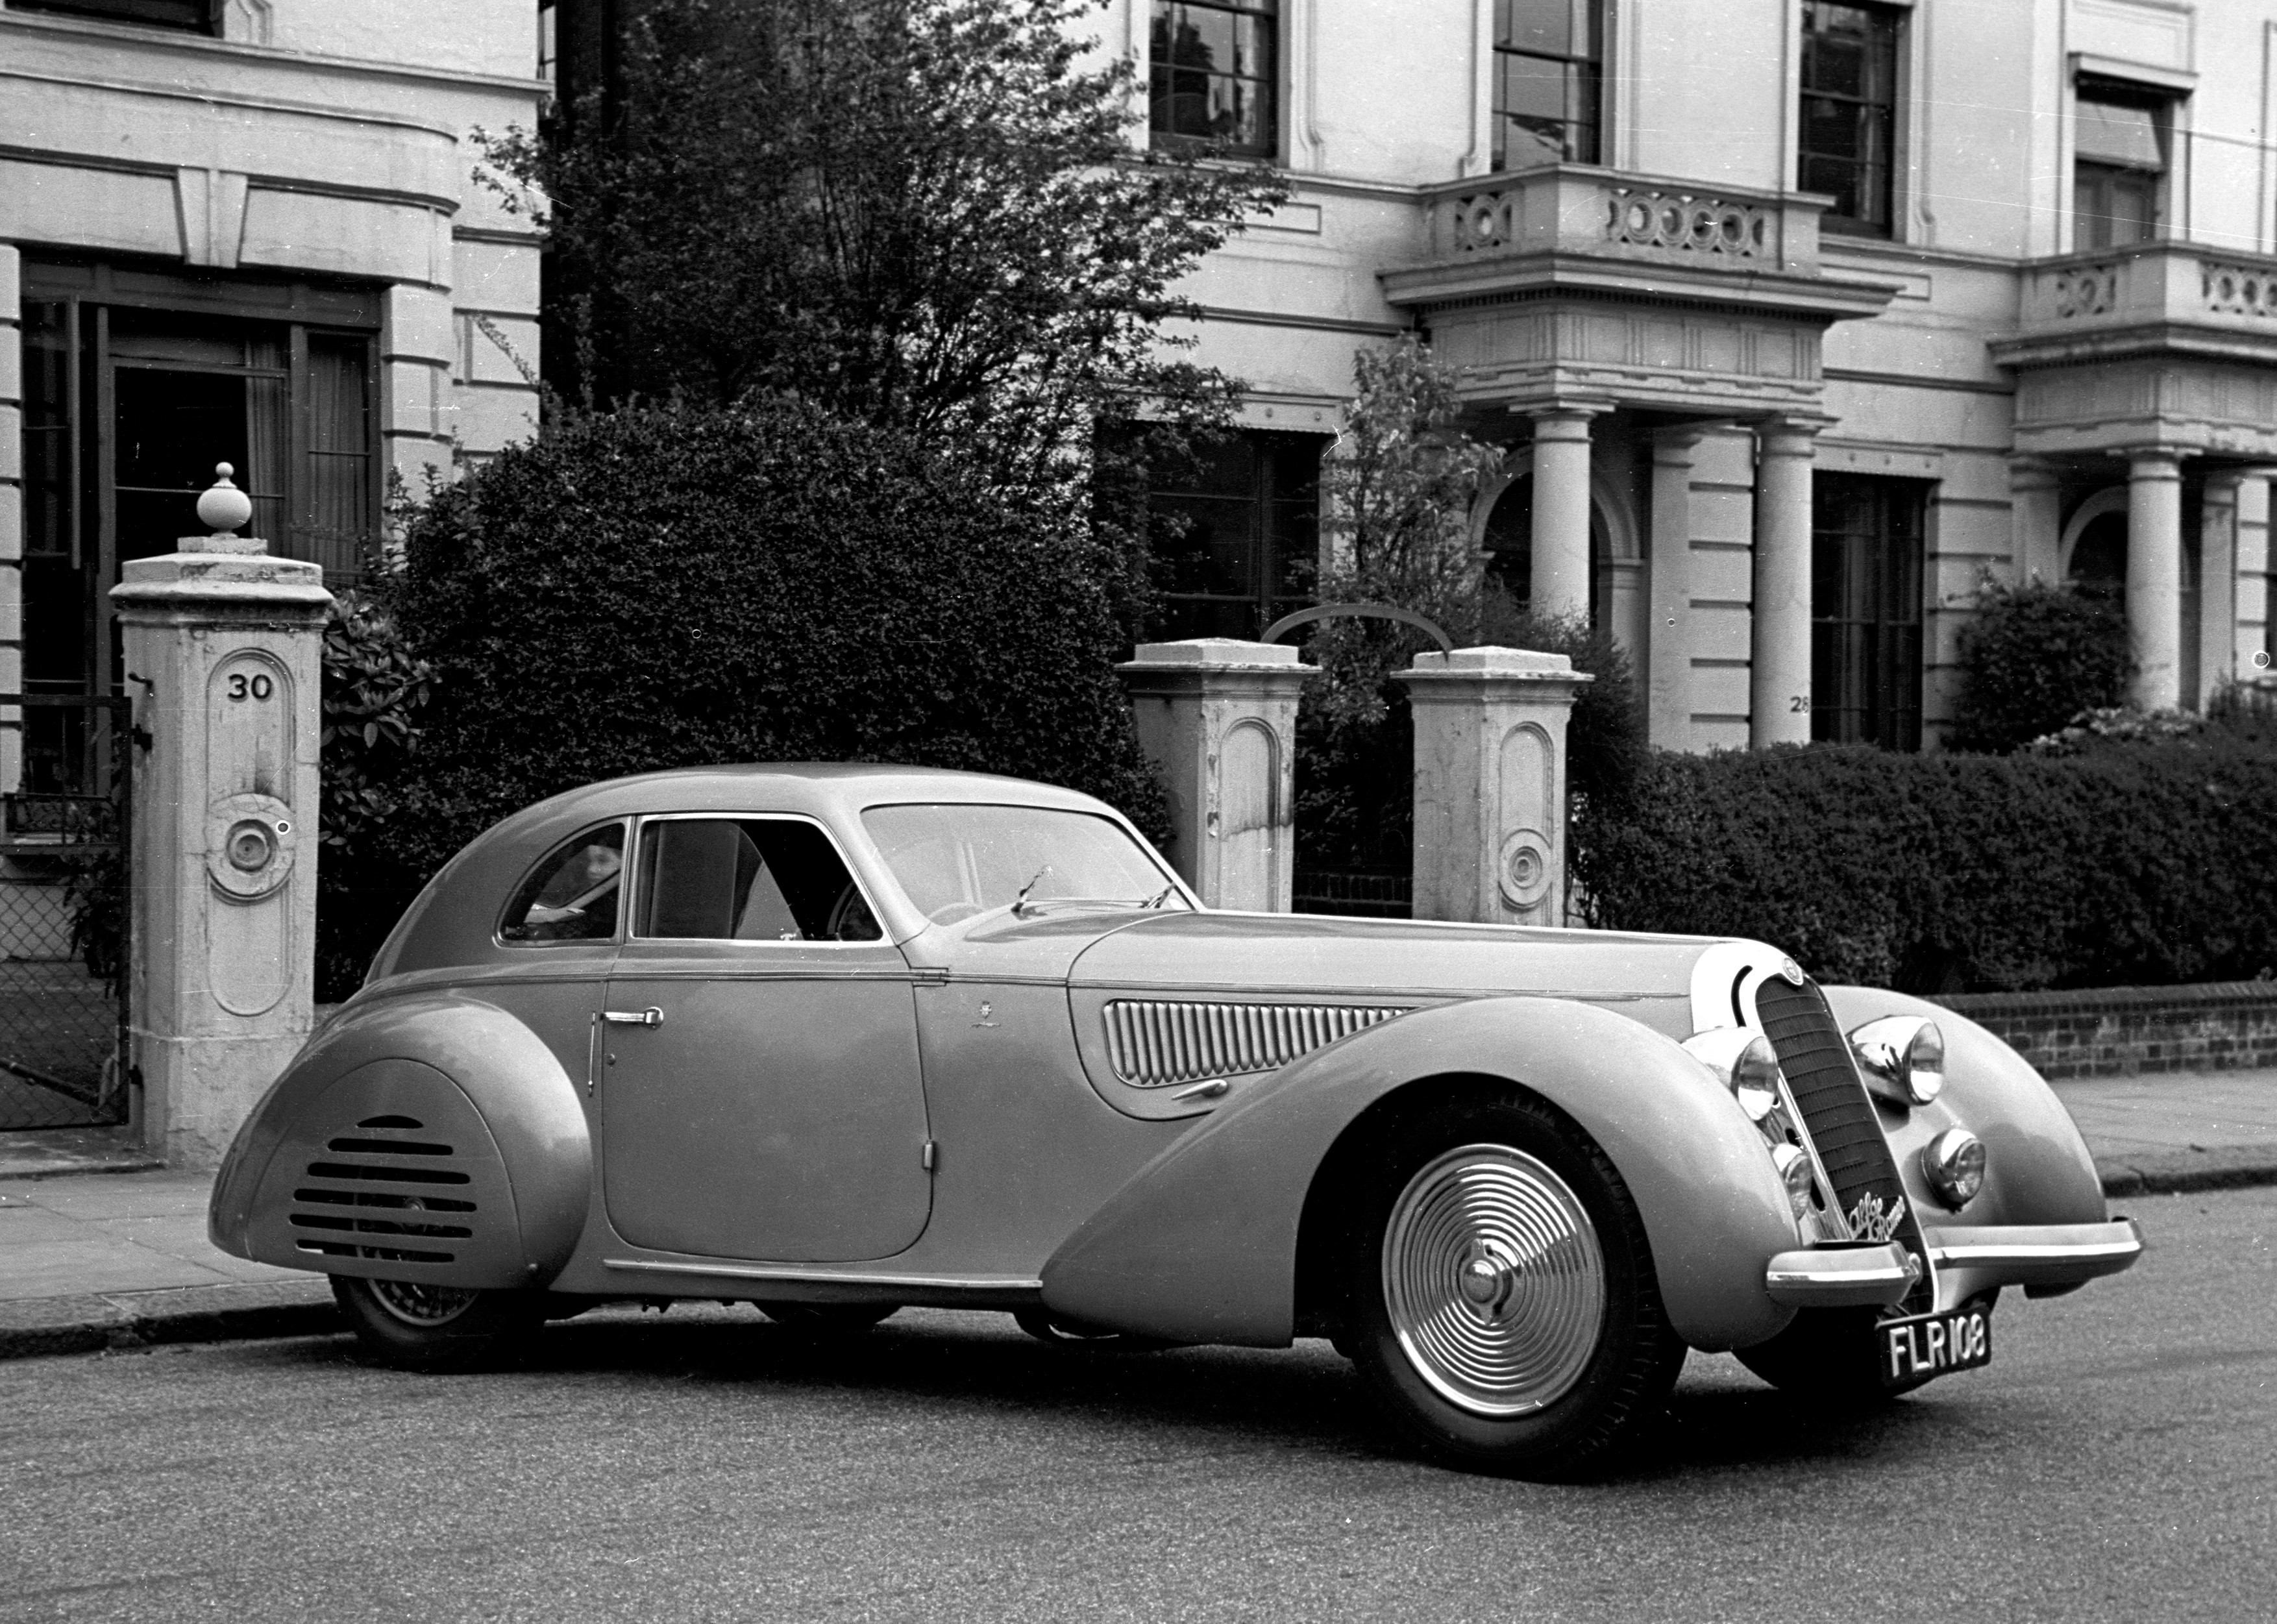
(391, 1203)
(1154, 1044)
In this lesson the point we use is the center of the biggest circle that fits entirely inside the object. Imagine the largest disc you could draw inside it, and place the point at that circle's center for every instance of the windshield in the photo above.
(955, 861)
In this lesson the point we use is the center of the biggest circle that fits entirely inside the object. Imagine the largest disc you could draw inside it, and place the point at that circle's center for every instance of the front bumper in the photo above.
(2035, 1255)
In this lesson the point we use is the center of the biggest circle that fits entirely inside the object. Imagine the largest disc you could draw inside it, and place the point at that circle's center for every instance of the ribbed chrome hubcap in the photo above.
(1494, 1280)
(421, 1305)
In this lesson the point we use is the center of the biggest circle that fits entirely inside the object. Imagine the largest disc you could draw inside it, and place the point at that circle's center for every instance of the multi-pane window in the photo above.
(1213, 69)
(1866, 610)
(1850, 111)
(1233, 543)
(2119, 166)
(194, 16)
(1548, 81)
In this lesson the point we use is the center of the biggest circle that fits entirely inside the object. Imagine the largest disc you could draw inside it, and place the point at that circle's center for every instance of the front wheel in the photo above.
(1502, 1296)
(435, 1328)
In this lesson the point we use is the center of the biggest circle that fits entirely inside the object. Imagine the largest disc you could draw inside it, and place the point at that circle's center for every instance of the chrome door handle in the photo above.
(649, 1016)
(1210, 1090)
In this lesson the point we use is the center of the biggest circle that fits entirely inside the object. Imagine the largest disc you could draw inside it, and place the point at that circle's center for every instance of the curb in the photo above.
(2185, 1171)
(120, 1320)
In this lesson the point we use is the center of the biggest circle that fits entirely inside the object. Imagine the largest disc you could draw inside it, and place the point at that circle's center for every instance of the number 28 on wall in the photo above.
(254, 685)
(1798, 702)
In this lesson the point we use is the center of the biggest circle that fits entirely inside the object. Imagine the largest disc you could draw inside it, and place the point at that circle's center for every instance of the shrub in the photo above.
(374, 688)
(2149, 865)
(2035, 657)
(664, 586)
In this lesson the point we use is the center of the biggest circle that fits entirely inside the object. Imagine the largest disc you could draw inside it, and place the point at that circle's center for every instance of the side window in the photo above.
(572, 896)
(748, 880)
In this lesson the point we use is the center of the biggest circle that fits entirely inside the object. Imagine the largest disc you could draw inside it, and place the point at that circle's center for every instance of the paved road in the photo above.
(2119, 1460)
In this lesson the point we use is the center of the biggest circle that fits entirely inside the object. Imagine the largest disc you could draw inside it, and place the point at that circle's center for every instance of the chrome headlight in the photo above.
(1743, 1062)
(1794, 1173)
(1954, 1163)
(1902, 1057)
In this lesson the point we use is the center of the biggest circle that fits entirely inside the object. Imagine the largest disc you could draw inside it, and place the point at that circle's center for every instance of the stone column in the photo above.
(418, 342)
(2034, 521)
(1668, 650)
(1561, 511)
(1490, 784)
(2250, 629)
(11, 515)
(1778, 669)
(224, 648)
(1219, 718)
(2217, 585)
(2154, 575)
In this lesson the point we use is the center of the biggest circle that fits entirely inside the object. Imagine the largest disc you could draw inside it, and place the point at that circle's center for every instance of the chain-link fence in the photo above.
(63, 915)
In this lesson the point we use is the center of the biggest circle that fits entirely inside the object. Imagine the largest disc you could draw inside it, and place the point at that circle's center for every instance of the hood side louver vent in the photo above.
(388, 1204)
(1154, 1044)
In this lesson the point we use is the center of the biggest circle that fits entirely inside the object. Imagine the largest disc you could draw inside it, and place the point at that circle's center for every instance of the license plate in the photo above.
(1928, 1345)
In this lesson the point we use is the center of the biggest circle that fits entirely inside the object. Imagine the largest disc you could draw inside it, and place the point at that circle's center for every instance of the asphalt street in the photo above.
(2118, 1461)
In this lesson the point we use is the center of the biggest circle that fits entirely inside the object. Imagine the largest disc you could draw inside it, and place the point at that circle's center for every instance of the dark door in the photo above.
(759, 1087)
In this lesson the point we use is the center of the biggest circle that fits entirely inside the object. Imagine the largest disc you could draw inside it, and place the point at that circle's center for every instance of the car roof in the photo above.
(453, 920)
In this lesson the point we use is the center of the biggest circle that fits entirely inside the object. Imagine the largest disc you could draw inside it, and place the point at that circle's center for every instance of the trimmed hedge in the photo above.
(2035, 657)
(664, 586)
(2146, 865)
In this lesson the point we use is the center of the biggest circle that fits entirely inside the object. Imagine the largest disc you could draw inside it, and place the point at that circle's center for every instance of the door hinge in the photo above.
(931, 1155)
(928, 975)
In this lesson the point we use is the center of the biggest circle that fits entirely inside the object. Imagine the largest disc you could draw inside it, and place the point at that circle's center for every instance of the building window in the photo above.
(1234, 544)
(1212, 71)
(191, 16)
(2119, 164)
(1548, 84)
(1866, 610)
(547, 51)
(127, 407)
(1849, 112)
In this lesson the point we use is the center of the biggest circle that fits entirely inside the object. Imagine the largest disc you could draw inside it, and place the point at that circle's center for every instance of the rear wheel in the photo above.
(1503, 1301)
(415, 1326)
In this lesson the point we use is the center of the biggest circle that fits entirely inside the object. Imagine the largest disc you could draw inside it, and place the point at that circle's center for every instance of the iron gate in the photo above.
(63, 918)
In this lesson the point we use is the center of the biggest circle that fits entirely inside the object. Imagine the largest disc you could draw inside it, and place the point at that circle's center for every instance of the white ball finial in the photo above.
(223, 507)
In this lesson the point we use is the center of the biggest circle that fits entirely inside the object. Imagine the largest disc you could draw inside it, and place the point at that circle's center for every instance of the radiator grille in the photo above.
(1154, 1044)
(379, 1206)
(1840, 1118)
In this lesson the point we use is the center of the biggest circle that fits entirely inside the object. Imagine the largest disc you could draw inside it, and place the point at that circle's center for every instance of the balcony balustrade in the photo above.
(1571, 209)
(2172, 298)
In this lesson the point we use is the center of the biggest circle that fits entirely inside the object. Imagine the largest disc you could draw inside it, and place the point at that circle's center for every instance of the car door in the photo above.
(758, 1083)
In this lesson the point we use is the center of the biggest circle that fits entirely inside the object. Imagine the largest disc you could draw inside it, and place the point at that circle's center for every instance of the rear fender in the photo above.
(1201, 1244)
(431, 1138)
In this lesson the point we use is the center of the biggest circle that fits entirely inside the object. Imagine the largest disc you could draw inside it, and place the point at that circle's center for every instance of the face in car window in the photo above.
(748, 880)
(572, 896)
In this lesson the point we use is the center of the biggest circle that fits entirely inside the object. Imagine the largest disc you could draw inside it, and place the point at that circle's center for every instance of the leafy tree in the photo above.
(926, 215)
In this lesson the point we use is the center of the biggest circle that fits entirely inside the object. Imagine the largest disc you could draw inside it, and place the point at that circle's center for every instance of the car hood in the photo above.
(1379, 959)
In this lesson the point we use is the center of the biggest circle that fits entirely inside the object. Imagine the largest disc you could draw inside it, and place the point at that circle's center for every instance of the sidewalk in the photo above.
(98, 1249)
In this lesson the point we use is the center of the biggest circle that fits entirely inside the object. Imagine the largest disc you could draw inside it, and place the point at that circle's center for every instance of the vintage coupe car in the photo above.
(833, 1040)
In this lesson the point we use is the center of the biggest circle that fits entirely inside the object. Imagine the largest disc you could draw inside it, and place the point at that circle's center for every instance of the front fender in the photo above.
(1201, 1244)
(2037, 1168)
(432, 1137)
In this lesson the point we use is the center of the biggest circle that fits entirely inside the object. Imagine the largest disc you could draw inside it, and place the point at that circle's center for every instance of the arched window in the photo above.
(1508, 540)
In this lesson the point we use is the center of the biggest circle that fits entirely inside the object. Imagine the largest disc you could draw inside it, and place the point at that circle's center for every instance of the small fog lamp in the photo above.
(1954, 1163)
(1794, 1173)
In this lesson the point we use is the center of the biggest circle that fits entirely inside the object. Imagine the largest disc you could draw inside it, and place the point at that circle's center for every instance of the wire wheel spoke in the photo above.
(421, 1305)
(1493, 1280)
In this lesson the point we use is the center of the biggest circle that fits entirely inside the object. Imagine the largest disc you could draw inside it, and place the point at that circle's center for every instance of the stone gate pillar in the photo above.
(224, 648)
(1490, 784)
(1219, 718)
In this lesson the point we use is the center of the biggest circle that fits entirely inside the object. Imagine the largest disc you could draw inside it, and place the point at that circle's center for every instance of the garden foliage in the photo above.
(2034, 659)
(2143, 863)
(662, 586)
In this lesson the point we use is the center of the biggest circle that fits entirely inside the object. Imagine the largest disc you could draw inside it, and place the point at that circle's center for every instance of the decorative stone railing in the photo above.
(1572, 210)
(2167, 285)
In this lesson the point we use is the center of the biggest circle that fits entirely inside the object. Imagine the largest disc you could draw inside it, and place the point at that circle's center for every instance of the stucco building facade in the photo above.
(1799, 318)
(247, 230)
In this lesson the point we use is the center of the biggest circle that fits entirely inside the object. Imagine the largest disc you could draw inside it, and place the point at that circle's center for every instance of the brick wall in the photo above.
(2116, 1031)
